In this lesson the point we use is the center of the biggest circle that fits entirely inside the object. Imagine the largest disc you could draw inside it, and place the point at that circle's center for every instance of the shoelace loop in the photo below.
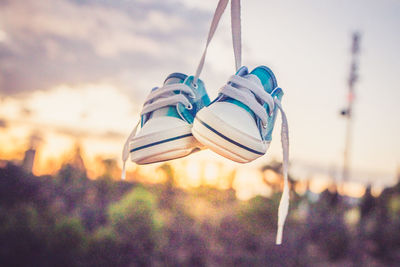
(251, 94)
(165, 96)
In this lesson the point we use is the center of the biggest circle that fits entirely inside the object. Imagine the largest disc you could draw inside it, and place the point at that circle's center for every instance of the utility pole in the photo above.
(347, 112)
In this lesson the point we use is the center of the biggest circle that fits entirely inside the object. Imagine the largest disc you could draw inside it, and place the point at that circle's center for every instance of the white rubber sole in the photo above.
(162, 146)
(225, 140)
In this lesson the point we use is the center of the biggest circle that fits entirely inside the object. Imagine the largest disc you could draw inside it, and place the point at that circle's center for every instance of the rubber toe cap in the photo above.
(236, 117)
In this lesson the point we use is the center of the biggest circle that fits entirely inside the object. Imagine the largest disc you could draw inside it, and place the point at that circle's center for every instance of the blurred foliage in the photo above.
(70, 220)
(133, 218)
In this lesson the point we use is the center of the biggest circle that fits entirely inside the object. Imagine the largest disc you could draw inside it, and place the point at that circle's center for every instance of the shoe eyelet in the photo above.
(189, 107)
(195, 85)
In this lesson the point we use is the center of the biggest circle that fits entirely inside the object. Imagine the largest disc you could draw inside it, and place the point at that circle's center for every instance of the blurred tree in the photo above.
(22, 237)
(69, 220)
(111, 169)
(183, 243)
(167, 195)
(259, 213)
(326, 226)
(104, 249)
(17, 186)
(384, 232)
(136, 223)
(71, 184)
(66, 244)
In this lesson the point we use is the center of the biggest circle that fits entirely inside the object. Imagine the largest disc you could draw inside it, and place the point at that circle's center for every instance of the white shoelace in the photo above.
(125, 151)
(236, 33)
(162, 97)
(254, 96)
(284, 203)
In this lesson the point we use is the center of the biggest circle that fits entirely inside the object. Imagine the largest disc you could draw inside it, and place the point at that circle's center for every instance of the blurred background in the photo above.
(73, 78)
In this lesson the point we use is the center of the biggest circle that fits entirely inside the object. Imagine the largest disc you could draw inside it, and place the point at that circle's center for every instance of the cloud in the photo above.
(46, 43)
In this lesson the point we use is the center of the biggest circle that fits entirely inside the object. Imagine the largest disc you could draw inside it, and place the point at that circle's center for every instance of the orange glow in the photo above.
(376, 190)
(272, 177)
(193, 171)
(301, 187)
(319, 184)
(211, 174)
(353, 189)
(62, 116)
(248, 182)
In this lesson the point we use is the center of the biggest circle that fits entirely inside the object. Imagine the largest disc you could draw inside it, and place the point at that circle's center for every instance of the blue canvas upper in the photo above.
(201, 100)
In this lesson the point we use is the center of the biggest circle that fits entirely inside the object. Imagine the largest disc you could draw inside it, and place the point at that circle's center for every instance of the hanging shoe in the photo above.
(238, 124)
(168, 114)
(166, 122)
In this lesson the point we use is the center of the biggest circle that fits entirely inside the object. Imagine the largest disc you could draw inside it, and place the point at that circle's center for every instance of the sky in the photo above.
(79, 70)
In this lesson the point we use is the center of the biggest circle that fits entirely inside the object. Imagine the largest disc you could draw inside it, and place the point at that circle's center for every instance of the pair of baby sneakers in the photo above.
(178, 119)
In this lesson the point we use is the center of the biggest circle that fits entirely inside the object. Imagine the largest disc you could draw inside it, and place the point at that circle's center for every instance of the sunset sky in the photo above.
(78, 71)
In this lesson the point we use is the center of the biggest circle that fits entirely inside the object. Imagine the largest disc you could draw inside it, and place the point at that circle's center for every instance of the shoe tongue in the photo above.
(172, 81)
(175, 78)
(170, 111)
(253, 78)
(242, 71)
(266, 77)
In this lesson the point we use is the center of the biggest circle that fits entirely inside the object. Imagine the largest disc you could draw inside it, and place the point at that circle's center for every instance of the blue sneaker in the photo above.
(238, 124)
(166, 122)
